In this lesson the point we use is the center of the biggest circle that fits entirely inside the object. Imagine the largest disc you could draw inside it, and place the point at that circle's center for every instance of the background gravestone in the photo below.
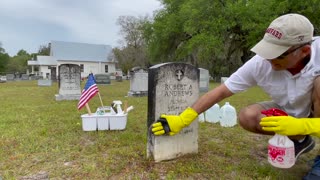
(138, 82)
(102, 78)
(10, 77)
(69, 82)
(204, 80)
(172, 88)
(24, 77)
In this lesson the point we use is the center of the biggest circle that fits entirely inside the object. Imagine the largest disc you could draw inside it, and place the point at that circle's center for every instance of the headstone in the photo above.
(119, 78)
(102, 78)
(10, 77)
(24, 77)
(44, 82)
(204, 80)
(3, 79)
(69, 82)
(223, 79)
(138, 82)
(172, 88)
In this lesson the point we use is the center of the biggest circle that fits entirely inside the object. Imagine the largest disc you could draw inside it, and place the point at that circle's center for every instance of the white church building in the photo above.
(92, 58)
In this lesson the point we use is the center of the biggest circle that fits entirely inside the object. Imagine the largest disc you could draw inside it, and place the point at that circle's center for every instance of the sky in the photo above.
(29, 24)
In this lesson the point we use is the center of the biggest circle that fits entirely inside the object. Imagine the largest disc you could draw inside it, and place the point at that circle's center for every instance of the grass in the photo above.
(40, 134)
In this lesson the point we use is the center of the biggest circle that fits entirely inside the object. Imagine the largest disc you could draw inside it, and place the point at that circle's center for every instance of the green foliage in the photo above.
(217, 35)
(4, 60)
(44, 50)
(18, 63)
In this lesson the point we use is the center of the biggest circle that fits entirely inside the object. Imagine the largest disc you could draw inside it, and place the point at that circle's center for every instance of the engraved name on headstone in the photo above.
(69, 82)
(172, 87)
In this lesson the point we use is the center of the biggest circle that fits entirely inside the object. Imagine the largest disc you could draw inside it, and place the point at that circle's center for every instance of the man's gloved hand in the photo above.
(172, 124)
(288, 125)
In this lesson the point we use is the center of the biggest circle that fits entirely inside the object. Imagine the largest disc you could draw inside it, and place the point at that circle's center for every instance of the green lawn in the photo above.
(40, 134)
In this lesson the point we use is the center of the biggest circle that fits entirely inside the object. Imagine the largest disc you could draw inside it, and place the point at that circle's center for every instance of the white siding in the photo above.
(44, 70)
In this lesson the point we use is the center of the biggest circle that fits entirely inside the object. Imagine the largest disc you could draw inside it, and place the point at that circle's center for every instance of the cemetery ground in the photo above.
(40, 135)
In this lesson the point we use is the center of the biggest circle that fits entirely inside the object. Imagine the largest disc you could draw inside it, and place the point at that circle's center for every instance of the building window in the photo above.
(106, 68)
(81, 67)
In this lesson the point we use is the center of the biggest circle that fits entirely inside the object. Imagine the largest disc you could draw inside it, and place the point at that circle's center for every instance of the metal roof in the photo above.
(44, 60)
(74, 51)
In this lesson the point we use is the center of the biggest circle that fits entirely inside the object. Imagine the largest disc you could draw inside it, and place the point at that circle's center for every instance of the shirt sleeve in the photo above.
(244, 77)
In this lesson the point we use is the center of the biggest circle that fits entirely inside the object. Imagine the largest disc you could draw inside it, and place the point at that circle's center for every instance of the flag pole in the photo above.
(125, 107)
(88, 109)
(101, 102)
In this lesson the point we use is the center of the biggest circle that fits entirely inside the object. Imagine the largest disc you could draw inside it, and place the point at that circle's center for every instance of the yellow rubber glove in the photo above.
(172, 124)
(288, 125)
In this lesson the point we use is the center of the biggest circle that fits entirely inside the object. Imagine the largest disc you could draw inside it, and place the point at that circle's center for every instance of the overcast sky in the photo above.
(28, 24)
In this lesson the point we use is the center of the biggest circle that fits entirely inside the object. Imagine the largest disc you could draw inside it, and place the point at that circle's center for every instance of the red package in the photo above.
(274, 112)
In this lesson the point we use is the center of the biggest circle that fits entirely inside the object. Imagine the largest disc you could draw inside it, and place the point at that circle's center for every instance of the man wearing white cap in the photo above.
(286, 66)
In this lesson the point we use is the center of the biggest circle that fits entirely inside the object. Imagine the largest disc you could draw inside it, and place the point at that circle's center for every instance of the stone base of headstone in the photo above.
(60, 97)
(138, 93)
(44, 82)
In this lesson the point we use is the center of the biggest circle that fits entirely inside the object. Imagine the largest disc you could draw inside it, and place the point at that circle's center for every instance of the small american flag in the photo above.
(90, 90)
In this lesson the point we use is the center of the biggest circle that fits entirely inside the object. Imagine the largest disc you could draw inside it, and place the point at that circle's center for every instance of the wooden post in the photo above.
(88, 109)
(125, 107)
(101, 102)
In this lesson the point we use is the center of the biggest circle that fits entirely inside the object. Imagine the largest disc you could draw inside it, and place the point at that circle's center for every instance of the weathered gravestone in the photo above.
(69, 82)
(204, 80)
(138, 82)
(119, 78)
(10, 77)
(172, 88)
(24, 77)
(102, 78)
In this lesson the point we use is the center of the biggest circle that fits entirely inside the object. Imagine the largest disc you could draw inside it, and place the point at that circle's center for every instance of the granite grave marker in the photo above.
(69, 82)
(138, 82)
(172, 87)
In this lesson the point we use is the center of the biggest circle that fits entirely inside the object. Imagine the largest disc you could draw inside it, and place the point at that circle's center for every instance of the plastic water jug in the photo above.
(213, 114)
(280, 149)
(201, 117)
(228, 115)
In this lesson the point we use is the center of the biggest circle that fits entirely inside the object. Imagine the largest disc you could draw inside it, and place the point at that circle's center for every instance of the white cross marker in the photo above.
(179, 74)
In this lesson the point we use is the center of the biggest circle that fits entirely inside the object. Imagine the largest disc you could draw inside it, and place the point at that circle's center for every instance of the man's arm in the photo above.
(210, 98)
(172, 124)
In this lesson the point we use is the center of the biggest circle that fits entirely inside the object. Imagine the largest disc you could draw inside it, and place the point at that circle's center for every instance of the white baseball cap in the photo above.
(284, 32)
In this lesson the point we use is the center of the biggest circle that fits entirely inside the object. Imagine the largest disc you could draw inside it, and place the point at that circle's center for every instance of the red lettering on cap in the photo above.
(274, 33)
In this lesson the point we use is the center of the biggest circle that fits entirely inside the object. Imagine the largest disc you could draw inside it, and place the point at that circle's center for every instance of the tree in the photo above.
(44, 50)
(4, 59)
(133, 51)
(19, 62)
(217, 35)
